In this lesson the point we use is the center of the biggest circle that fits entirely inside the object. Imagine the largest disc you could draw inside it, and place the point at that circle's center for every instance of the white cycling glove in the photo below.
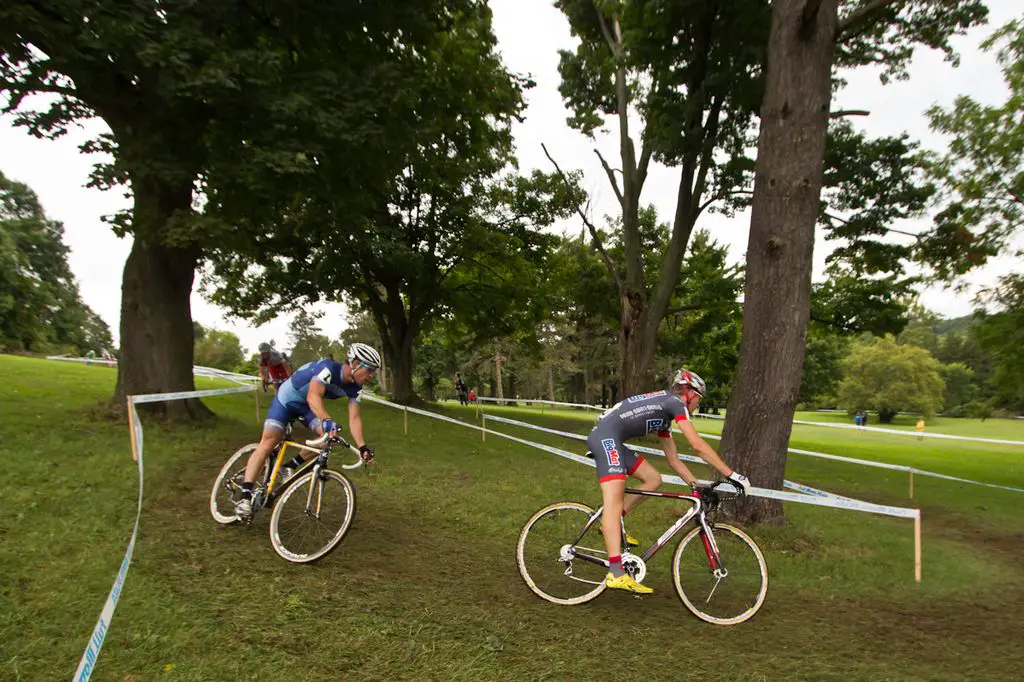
(740, 481)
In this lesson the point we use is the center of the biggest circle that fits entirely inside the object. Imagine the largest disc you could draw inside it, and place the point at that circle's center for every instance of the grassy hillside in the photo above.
(425, 587)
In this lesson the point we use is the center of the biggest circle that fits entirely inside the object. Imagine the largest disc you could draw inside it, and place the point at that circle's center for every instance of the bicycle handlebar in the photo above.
(323, 440)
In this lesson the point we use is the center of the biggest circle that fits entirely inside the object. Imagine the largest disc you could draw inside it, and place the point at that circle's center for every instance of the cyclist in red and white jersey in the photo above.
(274, 367)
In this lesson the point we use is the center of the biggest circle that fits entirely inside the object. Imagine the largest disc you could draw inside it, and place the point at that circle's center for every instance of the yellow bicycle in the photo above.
(312, 509)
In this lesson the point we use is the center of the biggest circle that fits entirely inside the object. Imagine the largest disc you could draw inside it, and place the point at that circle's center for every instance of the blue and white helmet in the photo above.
(364, 354)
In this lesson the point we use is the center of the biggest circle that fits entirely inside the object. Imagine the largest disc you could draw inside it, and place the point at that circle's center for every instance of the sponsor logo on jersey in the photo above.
(645, 396)
(611, 451)
(656, 425)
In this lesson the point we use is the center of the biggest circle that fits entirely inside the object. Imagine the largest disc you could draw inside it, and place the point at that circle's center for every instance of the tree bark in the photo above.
(787, 189)
(401, 366)
(497, 374)
(398, 346)
(156, 353)
(636, 345)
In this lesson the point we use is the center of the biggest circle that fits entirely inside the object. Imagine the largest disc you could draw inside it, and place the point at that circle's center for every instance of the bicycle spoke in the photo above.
(542, 560)
(312, 516)
(733, 592)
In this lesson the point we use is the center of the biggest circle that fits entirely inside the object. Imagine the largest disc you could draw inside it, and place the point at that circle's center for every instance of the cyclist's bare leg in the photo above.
(650, 479)
(270, 438)
(612, 493)
(304, 455)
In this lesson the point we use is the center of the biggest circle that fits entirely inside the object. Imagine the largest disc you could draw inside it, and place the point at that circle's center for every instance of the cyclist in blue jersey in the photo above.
(302, 397)
(637, 416)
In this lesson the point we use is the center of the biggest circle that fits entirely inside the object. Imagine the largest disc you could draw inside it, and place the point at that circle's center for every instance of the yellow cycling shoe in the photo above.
(630, 540)
(627, 583)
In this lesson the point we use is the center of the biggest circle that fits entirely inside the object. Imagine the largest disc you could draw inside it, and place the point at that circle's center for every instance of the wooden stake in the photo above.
(917, 547)
(257, 392)
(131, 430)
(406, 419)
(911, 485)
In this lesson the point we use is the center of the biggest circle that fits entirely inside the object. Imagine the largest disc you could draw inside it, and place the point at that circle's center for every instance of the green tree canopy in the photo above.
(889, 377)
(218, 348)
(40, 305)
(222, 102)
(982, 172)
(309, 342)
(452, 229)
(1001, 334)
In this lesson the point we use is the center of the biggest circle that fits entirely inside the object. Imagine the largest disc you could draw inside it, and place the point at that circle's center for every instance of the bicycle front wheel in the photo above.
(544, 554)
(312, 515)
(227, 488)
(725, 594)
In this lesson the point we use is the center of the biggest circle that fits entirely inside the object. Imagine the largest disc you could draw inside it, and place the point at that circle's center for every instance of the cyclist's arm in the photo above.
(703, 450)
(315, 399)
(355, 423)
(674, 463)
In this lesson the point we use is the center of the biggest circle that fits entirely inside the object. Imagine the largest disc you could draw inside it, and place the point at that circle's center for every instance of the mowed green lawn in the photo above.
(425, 585)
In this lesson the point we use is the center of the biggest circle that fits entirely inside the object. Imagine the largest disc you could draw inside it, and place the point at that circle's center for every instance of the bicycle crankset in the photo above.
(634, 566)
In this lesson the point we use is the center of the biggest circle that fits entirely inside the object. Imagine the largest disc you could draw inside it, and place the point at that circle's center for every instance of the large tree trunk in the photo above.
(399, 354)
(156, 314)
(497, 375)
(636, 345)
(787, 188)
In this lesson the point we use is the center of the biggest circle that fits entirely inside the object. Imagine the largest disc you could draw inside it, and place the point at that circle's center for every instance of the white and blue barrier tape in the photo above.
(92, 650)
(898, 432)
(197, 370)
(834, 501)
(809, 453)
(541, 402)
(654, 451)
(183, 395)
(895, 432)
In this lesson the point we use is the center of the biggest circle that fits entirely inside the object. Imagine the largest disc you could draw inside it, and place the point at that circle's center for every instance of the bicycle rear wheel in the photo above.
(228, 486)
(312, 515)
(545, 562)
(730, 593)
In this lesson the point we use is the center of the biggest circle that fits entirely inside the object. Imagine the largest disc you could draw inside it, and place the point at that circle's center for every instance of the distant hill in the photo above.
(959, 325)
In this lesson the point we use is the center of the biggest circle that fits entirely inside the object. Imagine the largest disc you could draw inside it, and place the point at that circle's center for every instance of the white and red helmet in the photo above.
(685, 377)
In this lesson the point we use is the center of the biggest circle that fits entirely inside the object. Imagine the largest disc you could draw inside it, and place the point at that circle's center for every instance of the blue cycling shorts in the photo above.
(280, 415)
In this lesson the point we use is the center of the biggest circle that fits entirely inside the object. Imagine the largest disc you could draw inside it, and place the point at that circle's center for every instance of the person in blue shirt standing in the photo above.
(302, 397)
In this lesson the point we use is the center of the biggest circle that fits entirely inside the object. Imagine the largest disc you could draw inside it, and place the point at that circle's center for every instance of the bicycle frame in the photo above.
(698, 510)
(280, 459)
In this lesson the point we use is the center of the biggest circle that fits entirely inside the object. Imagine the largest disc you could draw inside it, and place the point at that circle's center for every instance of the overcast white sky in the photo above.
(530, 33)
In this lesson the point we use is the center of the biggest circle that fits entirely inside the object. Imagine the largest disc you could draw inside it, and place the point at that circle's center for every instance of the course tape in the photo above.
(198, 370)
(542, 402)
(897, 432)
(182, 395)
(810, 453)
(835, 502)
(876, 429)
(92, 650)
(654, 451)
